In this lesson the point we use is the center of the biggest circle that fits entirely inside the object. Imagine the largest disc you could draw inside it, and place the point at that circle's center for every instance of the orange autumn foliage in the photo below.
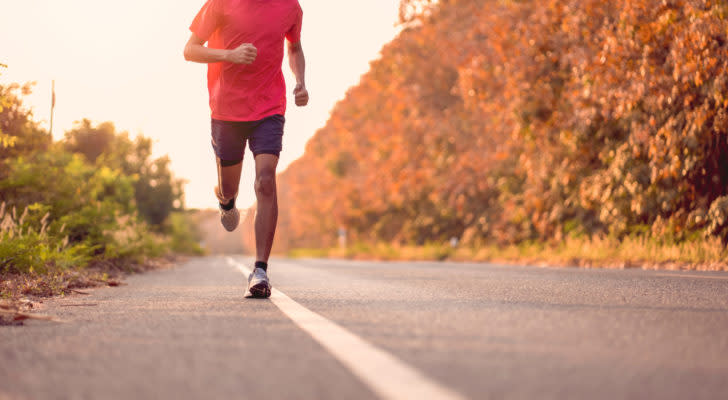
(511, 121)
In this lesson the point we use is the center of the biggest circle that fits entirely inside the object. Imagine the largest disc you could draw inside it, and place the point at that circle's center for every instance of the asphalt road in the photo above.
(363, 330)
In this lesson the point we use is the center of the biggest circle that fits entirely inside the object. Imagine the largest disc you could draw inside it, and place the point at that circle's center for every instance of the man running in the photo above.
(248, 102)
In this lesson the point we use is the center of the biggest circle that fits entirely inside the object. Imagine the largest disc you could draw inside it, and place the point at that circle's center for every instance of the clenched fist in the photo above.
(301, 95)
(243, 54)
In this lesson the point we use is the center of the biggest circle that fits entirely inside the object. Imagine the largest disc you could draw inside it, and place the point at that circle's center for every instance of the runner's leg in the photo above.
(228, 180)
(228, 142)
(266, 216)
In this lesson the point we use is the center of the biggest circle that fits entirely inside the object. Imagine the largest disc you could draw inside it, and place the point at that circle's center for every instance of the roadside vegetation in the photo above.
(605, 252)
(557, 130)
(80, 211)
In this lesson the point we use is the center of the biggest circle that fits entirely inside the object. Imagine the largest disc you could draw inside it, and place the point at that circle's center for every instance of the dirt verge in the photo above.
(22, 294)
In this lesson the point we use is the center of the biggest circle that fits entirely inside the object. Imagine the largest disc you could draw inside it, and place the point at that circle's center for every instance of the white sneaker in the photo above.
(258, 284)
(230, 218)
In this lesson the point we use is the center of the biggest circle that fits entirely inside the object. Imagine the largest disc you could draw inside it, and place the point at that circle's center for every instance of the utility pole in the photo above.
(53, 102)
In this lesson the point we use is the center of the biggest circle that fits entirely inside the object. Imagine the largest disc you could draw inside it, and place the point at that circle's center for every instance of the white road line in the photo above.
(713, 277)
(387, 376)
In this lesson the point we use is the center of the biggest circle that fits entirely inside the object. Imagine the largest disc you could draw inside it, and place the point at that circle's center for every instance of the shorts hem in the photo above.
(271, 152)
(252, 118)
(229, 163)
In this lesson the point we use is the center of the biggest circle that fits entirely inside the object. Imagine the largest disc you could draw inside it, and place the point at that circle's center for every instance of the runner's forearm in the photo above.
(203, 54)
(297, 62)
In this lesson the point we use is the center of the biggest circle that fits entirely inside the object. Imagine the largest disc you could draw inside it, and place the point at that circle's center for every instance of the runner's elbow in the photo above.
(187, 52)
(294, 48)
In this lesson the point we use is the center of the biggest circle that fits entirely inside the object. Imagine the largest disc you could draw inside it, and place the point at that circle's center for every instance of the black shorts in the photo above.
(264, 137)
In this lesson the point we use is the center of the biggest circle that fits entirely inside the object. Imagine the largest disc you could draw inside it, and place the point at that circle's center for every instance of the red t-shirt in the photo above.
(251, 92)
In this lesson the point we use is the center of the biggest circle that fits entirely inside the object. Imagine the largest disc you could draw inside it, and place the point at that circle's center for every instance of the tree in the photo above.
(509, 121)
(19, 133)
(5, 139)
(89, 140)
(156, 191)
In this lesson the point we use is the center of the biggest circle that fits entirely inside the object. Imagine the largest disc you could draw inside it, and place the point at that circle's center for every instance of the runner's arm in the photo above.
(298, 66)
(196, 51)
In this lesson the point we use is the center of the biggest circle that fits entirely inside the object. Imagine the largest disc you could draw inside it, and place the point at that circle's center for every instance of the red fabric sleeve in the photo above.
(207, 20)
(294, 33)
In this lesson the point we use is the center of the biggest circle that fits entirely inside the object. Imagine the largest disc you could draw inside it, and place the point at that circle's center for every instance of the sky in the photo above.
(122, 62)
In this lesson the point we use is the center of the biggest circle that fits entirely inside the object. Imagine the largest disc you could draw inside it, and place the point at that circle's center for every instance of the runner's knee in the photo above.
(265, 183)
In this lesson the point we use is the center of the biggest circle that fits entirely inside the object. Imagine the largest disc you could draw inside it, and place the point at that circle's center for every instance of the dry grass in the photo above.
(638, 252)
(18, 292)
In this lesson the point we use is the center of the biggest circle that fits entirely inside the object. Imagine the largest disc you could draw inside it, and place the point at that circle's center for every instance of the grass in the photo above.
(37, 262)
(631, 252)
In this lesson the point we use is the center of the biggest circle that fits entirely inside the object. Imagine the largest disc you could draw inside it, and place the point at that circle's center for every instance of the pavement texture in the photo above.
(482, 330)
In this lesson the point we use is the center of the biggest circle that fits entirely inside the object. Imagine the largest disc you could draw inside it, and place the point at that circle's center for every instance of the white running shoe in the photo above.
(258, 284)
(230, 218)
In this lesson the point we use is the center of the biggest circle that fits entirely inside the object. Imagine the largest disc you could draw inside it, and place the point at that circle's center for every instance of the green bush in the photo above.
(96, 197)
(157, 193)
(183, 235)
(86, 201)
(27, 246)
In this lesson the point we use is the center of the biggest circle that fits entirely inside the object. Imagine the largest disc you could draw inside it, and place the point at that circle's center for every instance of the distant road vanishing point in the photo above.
(366, 330)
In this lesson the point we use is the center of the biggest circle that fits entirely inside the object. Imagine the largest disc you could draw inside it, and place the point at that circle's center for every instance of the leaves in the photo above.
(19, 133)
(97, 197)
(514, 121)
(156, 191)
(16, 311)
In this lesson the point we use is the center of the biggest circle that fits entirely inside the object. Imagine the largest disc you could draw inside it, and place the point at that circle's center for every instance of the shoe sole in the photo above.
(230, 224)
(230, 229)
(260, 291)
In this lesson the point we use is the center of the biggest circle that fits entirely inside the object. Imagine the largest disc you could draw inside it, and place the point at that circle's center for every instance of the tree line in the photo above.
(519, 121)
(97, 195)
